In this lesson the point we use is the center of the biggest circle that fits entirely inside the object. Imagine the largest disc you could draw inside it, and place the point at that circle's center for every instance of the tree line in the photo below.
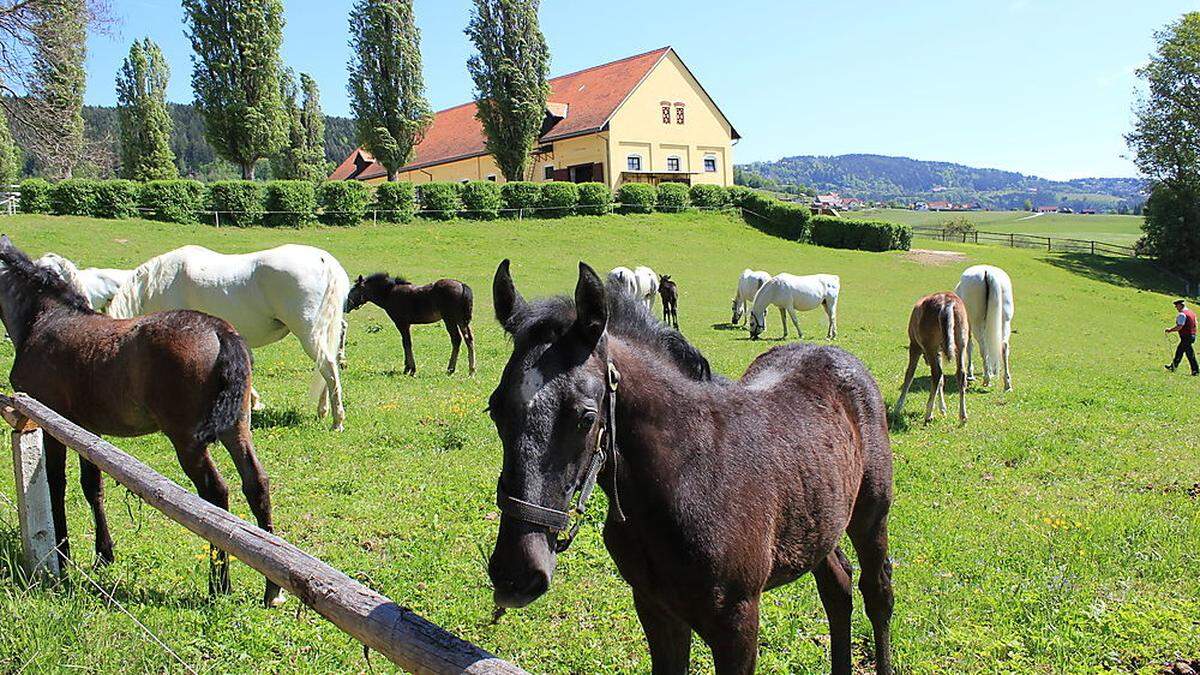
(253, 107)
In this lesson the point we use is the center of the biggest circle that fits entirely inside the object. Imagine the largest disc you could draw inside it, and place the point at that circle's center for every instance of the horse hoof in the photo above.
(277, 601)
(337, 426)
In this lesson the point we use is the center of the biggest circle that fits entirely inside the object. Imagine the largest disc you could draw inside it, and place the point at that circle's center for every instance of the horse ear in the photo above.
(591, 305)
(505, 298)
(360, 279)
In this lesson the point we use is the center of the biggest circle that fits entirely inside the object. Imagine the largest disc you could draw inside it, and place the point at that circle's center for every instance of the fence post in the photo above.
(38, 557)
(1048, 242)
(1012, 240)
(217, 218)
(1093, 247)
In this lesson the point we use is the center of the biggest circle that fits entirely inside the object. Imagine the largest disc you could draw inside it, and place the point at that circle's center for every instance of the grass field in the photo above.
(1055, 533)
(1100, 227)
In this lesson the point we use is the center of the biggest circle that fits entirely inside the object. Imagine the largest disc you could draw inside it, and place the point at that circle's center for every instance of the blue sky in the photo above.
(1034, 86)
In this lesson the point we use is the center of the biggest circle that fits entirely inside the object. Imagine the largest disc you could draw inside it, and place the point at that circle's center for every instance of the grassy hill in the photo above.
(1111, 228)
(1054, 533)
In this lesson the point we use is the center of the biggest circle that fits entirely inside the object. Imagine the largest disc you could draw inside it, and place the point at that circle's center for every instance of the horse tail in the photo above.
(328, 326)
(993, 327)
(468, 303)
(234, 366)
(948, 332)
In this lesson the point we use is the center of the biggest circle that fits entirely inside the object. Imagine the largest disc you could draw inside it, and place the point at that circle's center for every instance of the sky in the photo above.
(1037, 86)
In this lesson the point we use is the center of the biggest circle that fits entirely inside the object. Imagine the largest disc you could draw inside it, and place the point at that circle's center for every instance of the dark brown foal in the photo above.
(446, 300)
(184, 373)
(670, 299)
(938, 326)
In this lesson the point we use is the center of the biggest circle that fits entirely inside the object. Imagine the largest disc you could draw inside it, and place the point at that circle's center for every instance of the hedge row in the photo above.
(863, 235)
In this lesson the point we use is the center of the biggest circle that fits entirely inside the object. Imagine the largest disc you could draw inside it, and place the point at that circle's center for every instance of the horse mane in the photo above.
(383, 278)
(33, 280)
(66, 269)
(130, 297)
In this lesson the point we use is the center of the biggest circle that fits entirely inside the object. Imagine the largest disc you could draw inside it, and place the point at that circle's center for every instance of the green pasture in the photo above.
(1057, 532)
(1105, 227)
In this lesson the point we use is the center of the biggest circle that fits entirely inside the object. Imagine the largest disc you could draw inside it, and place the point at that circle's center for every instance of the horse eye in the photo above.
(587, 419)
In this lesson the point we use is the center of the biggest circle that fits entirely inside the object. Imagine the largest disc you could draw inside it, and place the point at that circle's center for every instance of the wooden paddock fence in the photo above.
(405, 638)
(1017, 240)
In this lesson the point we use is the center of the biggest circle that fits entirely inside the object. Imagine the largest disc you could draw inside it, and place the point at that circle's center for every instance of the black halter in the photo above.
(556, 520)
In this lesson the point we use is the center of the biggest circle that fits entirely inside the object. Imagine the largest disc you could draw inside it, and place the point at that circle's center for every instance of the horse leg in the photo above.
(255, 400)
(942, 393)
(410, 364)
(833, 575)
(56, 476)
(333, 389)
(669, 638)
(935, 382)
(255, 486)
(341, 356)
(960, 376)
(198, 465)
(469, 338)
(455, 344)
(734, 637)
(875, 579)
(914, 354)
(831, 314)
(1007, 372)
(795, 322)
(92, 482)
(782, 319)
(970, 358)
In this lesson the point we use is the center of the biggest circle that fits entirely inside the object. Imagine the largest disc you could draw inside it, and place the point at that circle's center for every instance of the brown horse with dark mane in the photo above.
(938, 326)
(717, 490)
(669, 290)
(447, 300)
(183, 373)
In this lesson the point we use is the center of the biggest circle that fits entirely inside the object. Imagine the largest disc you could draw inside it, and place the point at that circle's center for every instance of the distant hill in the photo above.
(884, 178)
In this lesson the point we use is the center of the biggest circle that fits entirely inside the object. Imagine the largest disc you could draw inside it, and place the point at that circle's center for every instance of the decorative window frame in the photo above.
(680, 117)
(715, 165)
(548, 172)
(629, 161)
(678, 163)
(667, 112)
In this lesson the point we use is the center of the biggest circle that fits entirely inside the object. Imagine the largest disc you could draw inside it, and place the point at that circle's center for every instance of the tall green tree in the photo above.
(145, 124)
(510, 72)
(303, 156)
(10, 154)
(235, 76)
(1166, 144)
(387, 90)
(57, 84)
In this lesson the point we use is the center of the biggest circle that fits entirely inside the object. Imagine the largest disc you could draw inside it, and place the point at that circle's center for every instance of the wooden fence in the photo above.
(405, 638)
(1017, 240)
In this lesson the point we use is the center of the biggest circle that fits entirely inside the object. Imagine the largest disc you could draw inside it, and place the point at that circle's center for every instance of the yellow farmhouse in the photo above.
(641, 119)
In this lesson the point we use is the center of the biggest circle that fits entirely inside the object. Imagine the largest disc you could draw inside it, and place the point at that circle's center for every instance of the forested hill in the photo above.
(880, 177)
(193, 155)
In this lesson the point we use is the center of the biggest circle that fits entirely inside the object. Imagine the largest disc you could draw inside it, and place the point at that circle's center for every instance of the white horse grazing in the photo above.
(988, 293)
(790, 293)
(265, 295)
(97, 284)
(641, 282)
(747, 288)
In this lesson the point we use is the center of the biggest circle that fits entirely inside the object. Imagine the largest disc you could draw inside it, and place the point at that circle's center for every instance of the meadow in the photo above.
(1111, 228)
(1055, 533)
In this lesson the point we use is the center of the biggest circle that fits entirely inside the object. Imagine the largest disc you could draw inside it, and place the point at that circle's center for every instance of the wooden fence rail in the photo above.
(405, 638)
(1018, 240)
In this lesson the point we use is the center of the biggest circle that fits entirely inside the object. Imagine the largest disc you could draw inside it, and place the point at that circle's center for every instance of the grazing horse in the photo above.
(717, 490)
(183, 373)
(97, 285)
(670, 299)
(743, 300)
(641, 282)
(938, 325)
(988, 294)
(789, 293)
(265, 295)
(447, 300)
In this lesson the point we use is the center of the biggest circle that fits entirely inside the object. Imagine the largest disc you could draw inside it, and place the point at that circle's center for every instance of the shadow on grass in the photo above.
(726, 326)
(1130, 272)
(271, 418)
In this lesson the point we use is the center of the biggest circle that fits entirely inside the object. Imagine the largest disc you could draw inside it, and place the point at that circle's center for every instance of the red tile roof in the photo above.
(590, 97)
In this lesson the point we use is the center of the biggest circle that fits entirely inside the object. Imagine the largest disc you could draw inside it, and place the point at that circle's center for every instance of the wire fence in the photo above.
(1019, 240)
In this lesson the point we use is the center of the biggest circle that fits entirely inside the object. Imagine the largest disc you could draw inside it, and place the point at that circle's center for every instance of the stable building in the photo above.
(645, 119)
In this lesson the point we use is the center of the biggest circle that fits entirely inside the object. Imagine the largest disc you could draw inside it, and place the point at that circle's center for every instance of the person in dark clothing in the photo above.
(1185, 325)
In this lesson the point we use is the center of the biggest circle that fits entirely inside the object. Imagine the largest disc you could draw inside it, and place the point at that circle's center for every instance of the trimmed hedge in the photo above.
(521, 195)
(237, 202)
(738, 194)
(637, 197)
(440, 201)
(172, 201)
(396, 201)
(559, 199)
(673, 197)
(782, 219)
(594, 199)
(116, 199)
(294, 203)
(863, 235)
(343, 202)
(35, 196)
(74, 197)
(709, 196)
(481, 200)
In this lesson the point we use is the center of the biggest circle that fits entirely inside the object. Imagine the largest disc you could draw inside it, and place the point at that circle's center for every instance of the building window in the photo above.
(710, 164)
(549, 175)
(678, 114)
(633, 163)
(672, 164)
(666, 112)
(492, 177)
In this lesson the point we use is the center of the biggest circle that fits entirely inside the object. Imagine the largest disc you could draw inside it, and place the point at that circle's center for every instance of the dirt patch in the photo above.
(925, 256)
(1182, 667)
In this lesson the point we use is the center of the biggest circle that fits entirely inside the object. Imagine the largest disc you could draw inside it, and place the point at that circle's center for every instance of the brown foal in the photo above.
(938, 326)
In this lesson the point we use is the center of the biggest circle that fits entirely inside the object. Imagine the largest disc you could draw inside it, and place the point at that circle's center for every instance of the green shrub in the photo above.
(236, 202)
(521, 195)
(708, 196)
(116, 199)
(594, 198)
(290, 203)
(673, 197)
(559, 199)
(637, 197)
(343, 202)
(35, 196)
(74, 197)
(481, 200)
(172, 201)
(440, 201)
(863, 235)
(738, 194)
(782, 219)
(396, 201)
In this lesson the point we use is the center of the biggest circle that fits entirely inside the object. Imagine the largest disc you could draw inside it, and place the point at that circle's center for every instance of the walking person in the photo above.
(1185, 325)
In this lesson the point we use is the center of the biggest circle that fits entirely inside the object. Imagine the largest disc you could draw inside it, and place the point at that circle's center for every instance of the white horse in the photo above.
(265, 295)
(641, 282)
(747, 288)
(790, 293)
(97, 284)
(988, 294)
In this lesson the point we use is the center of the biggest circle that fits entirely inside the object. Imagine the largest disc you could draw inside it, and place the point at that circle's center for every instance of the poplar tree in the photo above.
(235, 76)
(145, 123)
(10, 154)
(386, 87)
(303, 156)
(510, 72)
